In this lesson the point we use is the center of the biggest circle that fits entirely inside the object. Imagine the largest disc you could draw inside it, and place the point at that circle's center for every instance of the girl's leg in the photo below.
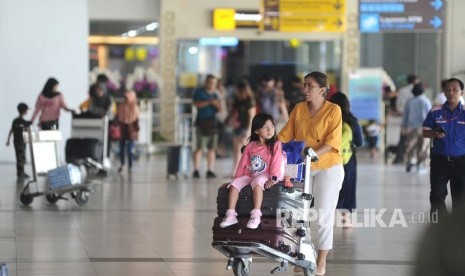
(257, 197)
(234, 189)
(257, 184)
(233, 197)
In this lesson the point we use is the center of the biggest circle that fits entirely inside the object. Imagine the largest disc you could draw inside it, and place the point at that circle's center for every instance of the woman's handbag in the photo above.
(114, 131)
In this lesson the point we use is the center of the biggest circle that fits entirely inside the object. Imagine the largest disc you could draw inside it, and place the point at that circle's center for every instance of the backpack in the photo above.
(346, 143)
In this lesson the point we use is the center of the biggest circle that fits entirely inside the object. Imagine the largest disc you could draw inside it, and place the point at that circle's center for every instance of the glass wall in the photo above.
(252, 59)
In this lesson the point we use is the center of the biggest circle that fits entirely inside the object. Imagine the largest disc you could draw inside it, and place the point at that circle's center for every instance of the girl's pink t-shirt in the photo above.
(258, 159)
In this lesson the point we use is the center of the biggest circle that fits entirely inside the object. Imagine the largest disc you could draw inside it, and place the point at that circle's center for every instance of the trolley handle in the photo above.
(308, 151)
(31, 150)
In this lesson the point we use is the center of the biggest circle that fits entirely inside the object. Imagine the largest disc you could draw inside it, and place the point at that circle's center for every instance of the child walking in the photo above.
(260, 166)
(373, 130)
(17, 128)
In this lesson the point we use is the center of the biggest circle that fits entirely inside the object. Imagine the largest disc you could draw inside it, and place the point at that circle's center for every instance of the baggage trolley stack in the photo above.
(60, 179)
(283, 234)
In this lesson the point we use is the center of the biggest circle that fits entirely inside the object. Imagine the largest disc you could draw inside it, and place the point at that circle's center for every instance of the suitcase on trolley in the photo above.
(278, 197)
(271, 232)
(178, 162)
(83, 148)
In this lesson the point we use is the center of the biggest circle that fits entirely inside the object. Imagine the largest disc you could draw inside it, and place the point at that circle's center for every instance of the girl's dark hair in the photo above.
(258, 121)
(321, 79)
(342, 101)
(48, 88)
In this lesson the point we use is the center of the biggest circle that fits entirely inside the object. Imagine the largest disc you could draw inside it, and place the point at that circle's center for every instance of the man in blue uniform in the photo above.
(446, 126)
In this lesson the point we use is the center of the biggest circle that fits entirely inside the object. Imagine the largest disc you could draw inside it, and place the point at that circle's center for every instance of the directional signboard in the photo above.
(401, 15)
(304, 15)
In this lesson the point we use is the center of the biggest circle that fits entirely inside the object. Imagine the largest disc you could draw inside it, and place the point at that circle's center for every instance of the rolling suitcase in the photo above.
(83, 148)
(278, 197)
(271, 232)
(178, 162)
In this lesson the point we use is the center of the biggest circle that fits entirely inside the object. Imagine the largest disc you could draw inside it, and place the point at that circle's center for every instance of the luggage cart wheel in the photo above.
(240, 268)
(82, 197)
(52, 198)
(308, 272)
(286, 248)
(26, 199)
(300, 233)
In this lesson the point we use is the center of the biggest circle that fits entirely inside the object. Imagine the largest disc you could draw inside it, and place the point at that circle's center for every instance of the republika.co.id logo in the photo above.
(363, 218)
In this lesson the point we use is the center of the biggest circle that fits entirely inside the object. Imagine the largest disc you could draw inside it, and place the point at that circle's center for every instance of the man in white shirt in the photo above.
(405, 93)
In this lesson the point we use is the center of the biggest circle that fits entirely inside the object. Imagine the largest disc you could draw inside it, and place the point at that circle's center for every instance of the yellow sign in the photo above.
(314, 23)
(317, 6)
(188, 80)
(304, 15)
(223, 19)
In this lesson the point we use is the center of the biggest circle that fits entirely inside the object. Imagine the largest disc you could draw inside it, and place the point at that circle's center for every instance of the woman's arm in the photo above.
(357, 134)
(284, 112)
(252, 111)
(287, 132)
(37, 108)
(63, 104)
(323, 150)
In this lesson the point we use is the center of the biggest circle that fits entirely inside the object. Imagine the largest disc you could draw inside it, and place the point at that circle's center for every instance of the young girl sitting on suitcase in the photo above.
(260, 166)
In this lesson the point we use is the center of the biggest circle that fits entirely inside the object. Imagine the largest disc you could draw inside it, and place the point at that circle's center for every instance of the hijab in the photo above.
(99, 105)
(48, 88)
(128, 111)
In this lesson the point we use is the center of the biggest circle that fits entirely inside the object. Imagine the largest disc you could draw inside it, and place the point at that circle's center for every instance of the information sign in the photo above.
(304, 15)
(401, 15)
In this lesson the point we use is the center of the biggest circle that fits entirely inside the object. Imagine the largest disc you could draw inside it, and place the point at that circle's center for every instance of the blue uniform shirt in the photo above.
(454, 124)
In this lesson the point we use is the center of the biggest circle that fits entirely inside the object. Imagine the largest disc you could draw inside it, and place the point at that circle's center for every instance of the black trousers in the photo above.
(20, 151)
(444, 170)
(347, 199)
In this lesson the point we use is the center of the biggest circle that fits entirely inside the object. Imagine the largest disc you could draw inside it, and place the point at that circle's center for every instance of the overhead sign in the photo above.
(304, 15)
(223, 19)
(231, 19)
(401, 15)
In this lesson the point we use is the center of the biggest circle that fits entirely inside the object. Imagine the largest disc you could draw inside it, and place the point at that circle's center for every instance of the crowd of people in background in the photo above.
(262, 118)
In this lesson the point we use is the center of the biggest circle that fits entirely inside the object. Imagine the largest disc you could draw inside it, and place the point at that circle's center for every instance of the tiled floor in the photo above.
(146, 224)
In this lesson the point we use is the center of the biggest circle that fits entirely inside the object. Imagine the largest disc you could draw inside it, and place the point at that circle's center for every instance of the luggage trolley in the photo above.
(90, 135)
(240, 252)
(45, 161)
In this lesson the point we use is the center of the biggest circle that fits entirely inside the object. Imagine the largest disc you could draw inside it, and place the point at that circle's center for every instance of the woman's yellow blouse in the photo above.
(324, 128)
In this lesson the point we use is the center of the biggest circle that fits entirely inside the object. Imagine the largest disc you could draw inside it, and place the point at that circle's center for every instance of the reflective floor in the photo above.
(146, 224)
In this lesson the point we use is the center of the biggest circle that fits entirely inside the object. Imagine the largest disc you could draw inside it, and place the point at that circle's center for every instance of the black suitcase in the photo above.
(83, 148)
(178, 162)
(271, 232)
(278, 197)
